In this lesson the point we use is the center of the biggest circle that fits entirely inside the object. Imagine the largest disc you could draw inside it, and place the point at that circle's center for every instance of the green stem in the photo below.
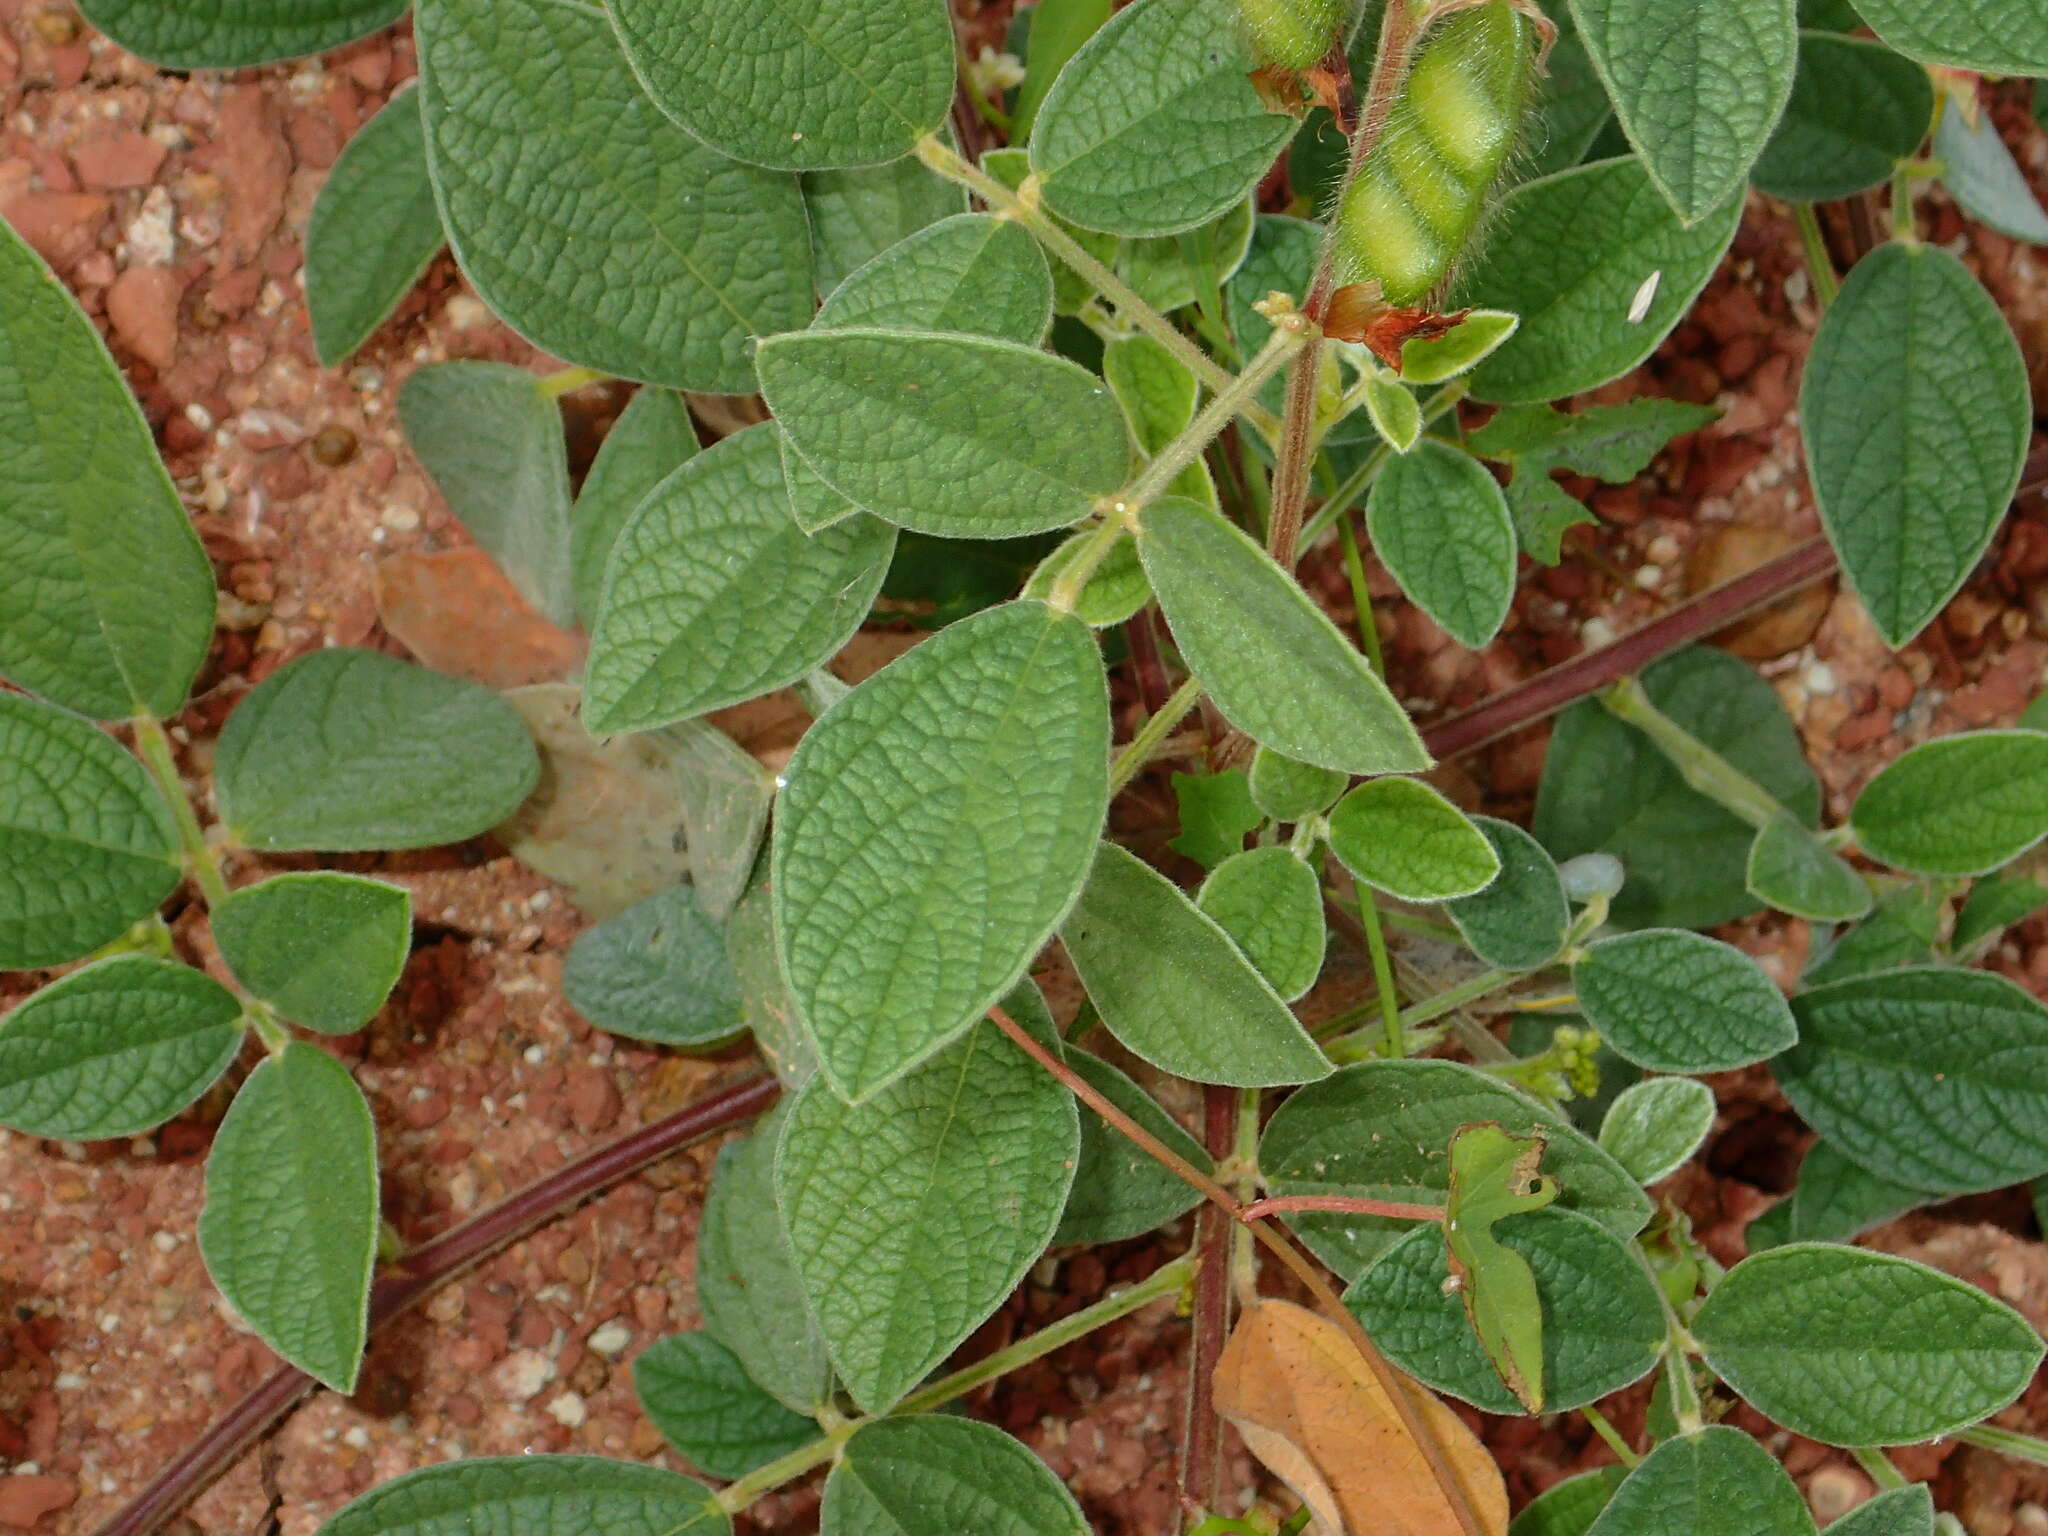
(1607, 1432)
(1355, 1047)
(154, 748)
(1697, 763)
(1382, 975)
(2007, 1442)
(567, 380)
(987, 110)
(1903, 227)
(1141, 746)
(1066, 591)
(1289, 335)
(1819, 265)
(1361, 598)
(1360, 479)
(1879, 1466)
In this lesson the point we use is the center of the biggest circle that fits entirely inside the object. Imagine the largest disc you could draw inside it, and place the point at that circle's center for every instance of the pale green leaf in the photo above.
(674, 256)
(656, 971)
(715, 596)
(913, 1215)
(1174, 989)
(935, 826)
(1715, 1481)
(1271, 904)
(1287, 790)
(1011, 165)
(1392, 410)
(1568, 1508)
(289, 1230)
(1792, 870)
(1915, 414)
(343, 750)
(1120, 1190)
(856, 215)
(1271, 660)
(1963, 805)
(1158, 393)
(1518, 922)
(1834, 1201)
(86, 843)
(649, 441)
(1674, 1001)
(1152, 127)
(1440, 525)
(114, 1049)
(236, 34)
(373, 231)
(957, 435)
(1170, 272)
(323, 949)
(534, 1496)
(1574, 256)
(1653, 1127)
(1907, 1511)
(1406, 839)
(973, 273)
(695, 1391)
(814, 505)
(931, 1475)
(1856, 110)
(1115, 589)
(1433, 359)
(1998, 37)
(106, 598)
(1901, 930)
(1855, 1348)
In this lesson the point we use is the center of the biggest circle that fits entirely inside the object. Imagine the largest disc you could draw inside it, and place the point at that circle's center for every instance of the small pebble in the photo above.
(522, 1373)
(611, 1338)
(334, 446)
(567, 1410)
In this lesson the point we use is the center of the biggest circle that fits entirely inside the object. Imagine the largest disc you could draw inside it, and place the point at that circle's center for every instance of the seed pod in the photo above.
(1416, 200)
(1294, 33)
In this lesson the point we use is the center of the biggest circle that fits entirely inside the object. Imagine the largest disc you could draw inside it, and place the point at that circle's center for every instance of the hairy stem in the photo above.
(1201, 1483)
(1820, 266)
(1704, 769)
(1139, 749)
(1290, 334)
(154, 747)
(2007, 1442)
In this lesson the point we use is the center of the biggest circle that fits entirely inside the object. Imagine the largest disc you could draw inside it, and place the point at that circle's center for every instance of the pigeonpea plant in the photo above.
(1038, 368)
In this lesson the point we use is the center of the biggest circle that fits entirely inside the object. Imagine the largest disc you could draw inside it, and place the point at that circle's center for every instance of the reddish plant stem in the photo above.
(1341, 1205)
(1201, 1443)
(429, 1265)
(1153, 687)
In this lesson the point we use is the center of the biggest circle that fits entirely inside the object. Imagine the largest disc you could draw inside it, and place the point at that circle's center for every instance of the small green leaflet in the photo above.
(1716, 1481)
(1153, 127)
(1291, 791)
(1271, 904)
(1568, 1508)
(935, 825)
(1518, 922)
(1792, 870)
(956, 435)
(714, 596)
(492, 443)
(1901, 930)
(935, 1475)
(1963, 805)
(1855, 1348)
(534, 1496)
(1174, 989)
(324, 949)
(656, 971)
(345, 749)
(973, 273)
(855, 215)
(1889, 1066)
(1406, 839)
(106, 598)
(1114, 591)
(1993, 907)
(1120, 1191)
(1058, 29)
(1907, 1511)
(1576, 303)
(289, 1231)
(695, 1391)
(530, 109)
(1216, 815)
(1393, 412)
(1440, 524)
(1698, 88)
(1995, 37)
(1674, 1001)
(1653, 1127)
(1835, 1200)
(912, 1215)
(373, 231)
(1432, 359)
(1494, 1175)
(1158, 394)
(236, 34)
(649, 441)
(1856, 110)
(87, 845)
(1915, 414)
(114, 1049)
(1270, 659)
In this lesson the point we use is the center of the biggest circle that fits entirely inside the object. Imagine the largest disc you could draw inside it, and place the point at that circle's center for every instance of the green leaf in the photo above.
(649, 441)
(1011, 165)
(935, 826)
(1518, 922)
(492, 443)
(1963, 805)
(656, 971)
(236, 34)
(373, 232)
(114, 1049)
(715, 596)
(1216, 814)
(1568, 1508)
(1606, 789)
(1158, 394)
(765, 1004)
(1697, 88)
(1993, 907)
(855, 215)
(1569, 111)
(1715, 1481)
(1855, 1348)
(1493, 1176)
(531, 111)
(1601, 1324)
(1170, 272)
(1114, 591)
(1996, 37)
(1573, 256)
(343, 750)
(1903, 1071)
(1152, 127)
(1792, 870)
(913, 1215)
(1174, 989)
(1433, 359)
(1392, 410)
(86, 843)
(972, 273)
(1544, 512)
(1439, 523)
(1120, 1191)
(1907, 1511)
(106, 598)
(1900, 931)
(1406, 839)
(1655, 1126)
(1614, 443)
(1834, 1201)
(324, 949)
(534, 1496)
(1681, 1002)
(289, 1230)
(1382, 1129)
(1915, 415)
(936, 1476)
(1270, 903)
(1058, 29)
(695, 1391)
(1268, 657)
(1856, 110)
(812, 503)
(1292, 791)
(957, 435)
(934, 582)
(748, 1288)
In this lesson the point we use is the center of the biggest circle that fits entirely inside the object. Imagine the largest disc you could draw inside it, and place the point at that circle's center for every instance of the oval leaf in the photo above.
(236, 34)
(1680, 1002)
(1907, 1511)
(1404, 838)
(1714, 1482)
(1440, 524)
(695, 1391)
(1964, 805)
(1653, 1127)
(534, 1496)
(1519, 921)
(937, 1476)
(1271, 904)
(1856, 110)
(1792, 870)
(1835, 1200)
(973, 273)
(324, 949)
(1568, 1508)
(373, 232)
(656, 971)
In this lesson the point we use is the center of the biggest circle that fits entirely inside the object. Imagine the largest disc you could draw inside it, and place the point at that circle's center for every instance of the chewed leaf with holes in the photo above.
(534, 1496)
(935, 1475)
(1494, 1176)
(236, 34)
(1680, 1002)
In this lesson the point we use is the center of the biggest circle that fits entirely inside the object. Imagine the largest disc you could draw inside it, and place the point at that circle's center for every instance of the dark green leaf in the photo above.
(1834, 1201)
(933, 1476)
(1999, 37)
(1680, 1002)
(1713, 1482)
(1518, 922)
(1614, 443)
(856, 215)
(1993, 907)
(534, 1496)
(236, 34)
(1900, 931)
(1120, 1190)
(1963, 805)
(1792, 870)
(649, 441)
(1216, 814)
(1857, 109)
(324, 949)
(696, 1392)
(1570, 109)
(1568, 1508)
(656, 971)
(373, 231)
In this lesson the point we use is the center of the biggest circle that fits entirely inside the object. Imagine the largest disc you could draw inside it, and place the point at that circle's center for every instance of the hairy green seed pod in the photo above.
(1416, 200)
(1295, 33)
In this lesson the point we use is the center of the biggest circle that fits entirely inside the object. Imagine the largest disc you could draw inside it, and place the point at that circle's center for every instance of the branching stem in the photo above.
(154, 747)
